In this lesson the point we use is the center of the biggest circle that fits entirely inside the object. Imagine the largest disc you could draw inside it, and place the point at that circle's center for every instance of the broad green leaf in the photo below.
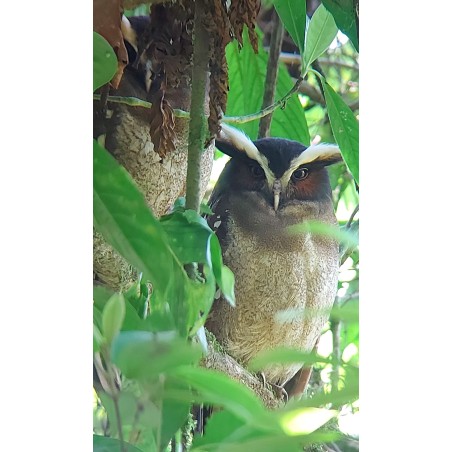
(293, 15)
(344, 13)
(283, 355)
(247, 72)
(321, 32)
(122, 216)
(233, 396)
(105, 444)
(113, 316)
(105, 62)
(145, 354)
(328, 230)
(345, 128)
(187, 236)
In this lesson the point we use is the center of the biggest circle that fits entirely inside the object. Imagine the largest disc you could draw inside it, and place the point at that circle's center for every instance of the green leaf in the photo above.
(321, 32)
(344, 13)
(101, 294)
(284, 355)
(97, 338)
(345, 128)
(293, 15)
(113, 316)
(188, 236)
(144, 354)
(105, 444)
(140, 415)
(247, 72)
(122, 216)
(105, 63)
(139, 297)
(174, 413)
(328, 230)
(223, 275)
(216, 388)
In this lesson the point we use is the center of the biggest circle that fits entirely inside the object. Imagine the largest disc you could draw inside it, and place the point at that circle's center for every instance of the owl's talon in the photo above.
(280, 392)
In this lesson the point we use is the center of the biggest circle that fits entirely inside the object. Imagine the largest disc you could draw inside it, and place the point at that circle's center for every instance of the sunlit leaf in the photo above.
(105, 62)
(305, 420)
(345, 128)
(283, 355)
(328, 230)
(321, 32)
(293, 15)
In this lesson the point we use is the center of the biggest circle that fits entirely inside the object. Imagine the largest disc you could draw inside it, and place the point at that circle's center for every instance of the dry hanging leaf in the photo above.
(107, 22)
(162, 127)
(244, 12)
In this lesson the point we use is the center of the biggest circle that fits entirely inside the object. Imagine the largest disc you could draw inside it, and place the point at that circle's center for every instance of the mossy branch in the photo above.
(197, 126)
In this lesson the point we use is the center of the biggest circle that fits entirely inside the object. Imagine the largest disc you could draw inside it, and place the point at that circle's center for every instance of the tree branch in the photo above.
(272, 73)
(197, 124)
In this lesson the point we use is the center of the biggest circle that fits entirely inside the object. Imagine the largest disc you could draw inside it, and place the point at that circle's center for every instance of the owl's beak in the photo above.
(276, 193)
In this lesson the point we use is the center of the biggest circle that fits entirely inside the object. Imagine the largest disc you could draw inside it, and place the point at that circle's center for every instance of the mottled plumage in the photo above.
(274, 270)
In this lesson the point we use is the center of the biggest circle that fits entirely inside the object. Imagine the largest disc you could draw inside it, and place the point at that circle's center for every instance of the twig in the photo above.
(336, 333)
(272, 73)
(197, 117)
(135, 102)
(266, 111)
(352, 216)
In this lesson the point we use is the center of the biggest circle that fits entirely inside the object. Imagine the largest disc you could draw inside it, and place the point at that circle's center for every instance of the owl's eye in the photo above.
(299, 174)
(257, 171)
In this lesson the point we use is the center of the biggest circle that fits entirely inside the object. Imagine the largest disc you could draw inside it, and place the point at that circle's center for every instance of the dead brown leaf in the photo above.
(107, 22)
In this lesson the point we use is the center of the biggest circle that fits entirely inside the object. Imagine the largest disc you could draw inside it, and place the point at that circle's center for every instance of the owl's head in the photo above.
(281, 170)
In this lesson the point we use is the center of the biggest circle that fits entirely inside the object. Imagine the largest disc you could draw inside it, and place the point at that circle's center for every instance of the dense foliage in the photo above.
(148, 344)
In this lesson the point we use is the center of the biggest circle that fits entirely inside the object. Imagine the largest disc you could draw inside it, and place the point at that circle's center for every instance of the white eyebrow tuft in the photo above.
(240, 141)
(321, 151)
(243, 143)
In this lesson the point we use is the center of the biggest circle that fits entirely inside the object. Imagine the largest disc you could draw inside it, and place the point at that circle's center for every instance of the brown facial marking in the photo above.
(314, 186)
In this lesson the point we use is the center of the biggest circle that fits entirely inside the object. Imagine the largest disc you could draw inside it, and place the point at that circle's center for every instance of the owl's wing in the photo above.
(218, 221)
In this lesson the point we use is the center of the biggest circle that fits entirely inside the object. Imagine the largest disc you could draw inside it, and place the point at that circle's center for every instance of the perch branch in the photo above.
(272, 73)
(224, 363)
